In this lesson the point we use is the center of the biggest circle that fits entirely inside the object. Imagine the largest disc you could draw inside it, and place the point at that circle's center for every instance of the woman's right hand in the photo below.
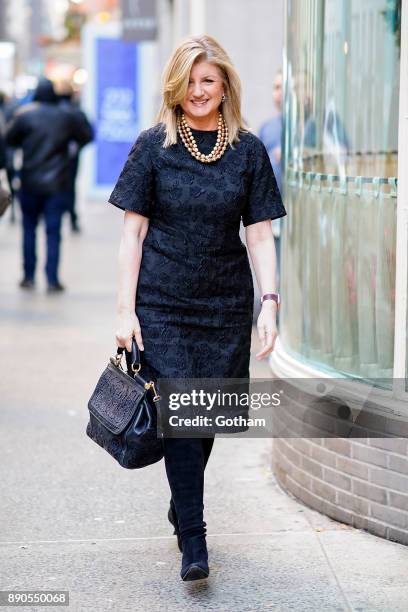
(129, 327)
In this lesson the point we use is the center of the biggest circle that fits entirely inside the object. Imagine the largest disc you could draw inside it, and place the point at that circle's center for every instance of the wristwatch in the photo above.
(271, 296)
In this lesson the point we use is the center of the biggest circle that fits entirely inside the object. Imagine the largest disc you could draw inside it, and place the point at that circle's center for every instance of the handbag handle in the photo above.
(132, 357)
(134, 364)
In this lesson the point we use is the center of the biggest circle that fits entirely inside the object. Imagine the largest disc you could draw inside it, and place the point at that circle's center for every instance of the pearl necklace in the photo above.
(191, 145)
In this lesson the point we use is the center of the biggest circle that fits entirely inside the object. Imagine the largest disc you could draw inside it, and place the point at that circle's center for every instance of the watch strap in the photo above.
(271, 296)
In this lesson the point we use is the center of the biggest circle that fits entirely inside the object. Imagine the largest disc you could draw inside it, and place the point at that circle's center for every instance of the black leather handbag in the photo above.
(123, 413)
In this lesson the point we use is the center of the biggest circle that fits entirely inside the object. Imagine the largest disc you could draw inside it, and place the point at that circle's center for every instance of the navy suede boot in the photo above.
(207, 444)
(194, 565)
(184, 461)
(172, 516)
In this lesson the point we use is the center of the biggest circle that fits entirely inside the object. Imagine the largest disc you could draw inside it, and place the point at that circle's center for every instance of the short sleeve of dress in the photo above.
(134, 189)
(264, 200)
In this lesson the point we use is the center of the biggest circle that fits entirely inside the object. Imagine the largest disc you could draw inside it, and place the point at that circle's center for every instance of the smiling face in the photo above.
(203, 98)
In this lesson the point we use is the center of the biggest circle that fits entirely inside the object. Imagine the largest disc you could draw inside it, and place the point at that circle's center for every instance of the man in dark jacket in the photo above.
(66, 98)
(43, 130)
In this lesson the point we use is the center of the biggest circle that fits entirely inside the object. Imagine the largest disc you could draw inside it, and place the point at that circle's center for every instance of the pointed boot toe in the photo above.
(195, 572)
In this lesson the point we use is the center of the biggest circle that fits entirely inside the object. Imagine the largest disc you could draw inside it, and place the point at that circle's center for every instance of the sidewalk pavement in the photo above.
(74, 520)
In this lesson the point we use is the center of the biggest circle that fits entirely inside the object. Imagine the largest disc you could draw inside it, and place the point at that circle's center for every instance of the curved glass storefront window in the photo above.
(340, 166)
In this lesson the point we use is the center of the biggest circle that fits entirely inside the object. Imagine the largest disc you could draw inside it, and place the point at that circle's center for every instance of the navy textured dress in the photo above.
(195, 291)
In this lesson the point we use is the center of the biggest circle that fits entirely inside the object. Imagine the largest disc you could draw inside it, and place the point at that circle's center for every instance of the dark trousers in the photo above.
(52, 207)
(185, 461)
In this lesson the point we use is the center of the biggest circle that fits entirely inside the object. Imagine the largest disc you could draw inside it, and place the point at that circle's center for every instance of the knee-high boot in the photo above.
(207, 445)
(184, 460)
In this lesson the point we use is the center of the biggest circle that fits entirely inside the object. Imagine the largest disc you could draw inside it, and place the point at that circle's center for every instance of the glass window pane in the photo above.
(340, 169)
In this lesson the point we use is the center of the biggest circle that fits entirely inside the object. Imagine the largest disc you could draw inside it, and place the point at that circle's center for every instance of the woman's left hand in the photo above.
(267, 330)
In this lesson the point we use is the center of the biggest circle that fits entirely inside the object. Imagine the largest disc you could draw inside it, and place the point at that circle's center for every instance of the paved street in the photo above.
(74, 520)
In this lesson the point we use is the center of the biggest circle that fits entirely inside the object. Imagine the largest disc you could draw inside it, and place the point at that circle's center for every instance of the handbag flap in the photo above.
(115, 399)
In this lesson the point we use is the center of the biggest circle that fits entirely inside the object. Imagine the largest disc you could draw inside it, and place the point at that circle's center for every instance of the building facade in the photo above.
(344, 254)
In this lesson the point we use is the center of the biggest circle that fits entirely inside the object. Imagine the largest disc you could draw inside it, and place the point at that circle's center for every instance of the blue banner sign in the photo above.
(117, 106)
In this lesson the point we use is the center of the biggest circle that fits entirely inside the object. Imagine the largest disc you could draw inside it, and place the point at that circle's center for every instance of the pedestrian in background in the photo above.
(8, 106)
(5, 197)
(67, 99)
(271, 135)
(2, 132)
(2, 150)
(43, 130)
(7, 153)
(186, 185)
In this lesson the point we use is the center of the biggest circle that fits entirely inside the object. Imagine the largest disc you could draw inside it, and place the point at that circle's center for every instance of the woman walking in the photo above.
(185, 283)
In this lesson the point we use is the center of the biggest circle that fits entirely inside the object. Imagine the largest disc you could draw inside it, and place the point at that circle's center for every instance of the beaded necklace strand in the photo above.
(191, 145)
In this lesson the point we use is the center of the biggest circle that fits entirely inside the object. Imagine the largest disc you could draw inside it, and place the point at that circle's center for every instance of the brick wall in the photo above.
(362, 482)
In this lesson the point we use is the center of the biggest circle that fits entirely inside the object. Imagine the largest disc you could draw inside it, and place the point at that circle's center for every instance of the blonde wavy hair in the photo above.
(176, 76)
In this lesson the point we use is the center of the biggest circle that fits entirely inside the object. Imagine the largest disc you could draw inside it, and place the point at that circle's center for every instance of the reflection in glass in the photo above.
(340, 167)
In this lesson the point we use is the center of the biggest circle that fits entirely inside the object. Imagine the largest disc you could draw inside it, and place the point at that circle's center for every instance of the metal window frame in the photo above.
(401, 281)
